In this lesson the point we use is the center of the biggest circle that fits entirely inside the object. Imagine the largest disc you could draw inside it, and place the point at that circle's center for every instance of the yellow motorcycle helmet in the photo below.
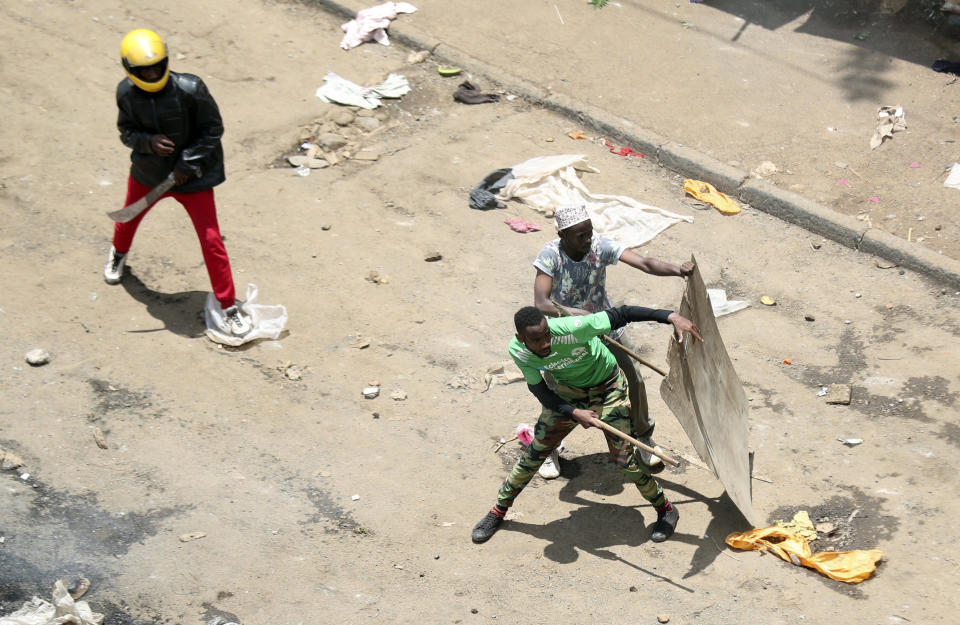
(143, 48)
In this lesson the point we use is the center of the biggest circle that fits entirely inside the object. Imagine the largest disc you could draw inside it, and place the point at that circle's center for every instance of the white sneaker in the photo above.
(645, 456)
(113, 270)
(237, 323)
(550, 468)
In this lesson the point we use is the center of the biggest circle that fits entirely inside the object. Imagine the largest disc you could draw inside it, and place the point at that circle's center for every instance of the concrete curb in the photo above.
(686, 161)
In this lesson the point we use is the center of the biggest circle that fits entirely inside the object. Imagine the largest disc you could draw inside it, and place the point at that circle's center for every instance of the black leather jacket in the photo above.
(185, 112)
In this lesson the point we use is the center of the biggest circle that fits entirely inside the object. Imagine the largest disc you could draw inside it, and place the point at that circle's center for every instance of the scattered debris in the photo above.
(37, 357)
(766, 168)
(787, 361)
(370, 392)
(663, 618)
(766, 300)
(355, 498)
(100, 439)
(302, 160)
(623, 151)
(371, 24)
(524, 433)
(469, 93)
(520, 225)
(800, 524)
(705, 192)
(398, 395)
(809, 318)
(432, 257)
(890, 119)
(376, 278)
(10, 460)
(953, 180)
(291, 372)
(448, 71)
(838, 394)
(359, 342)
(505, 372)
(850, 442)
(577, 134)
(721, 305)
(325, 227)
(63, 610)
(342, 91)
(185, 538)
(418, 57)
(76, 586)
(883, 264)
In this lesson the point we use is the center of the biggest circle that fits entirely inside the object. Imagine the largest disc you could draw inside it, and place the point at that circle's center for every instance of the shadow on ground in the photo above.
(180, 313)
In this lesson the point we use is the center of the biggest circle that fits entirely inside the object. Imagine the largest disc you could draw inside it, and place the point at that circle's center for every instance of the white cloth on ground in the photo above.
(267, 322)
(548, 182)
(953, 180)
(63, 610)
(370, 24)
(340, 90)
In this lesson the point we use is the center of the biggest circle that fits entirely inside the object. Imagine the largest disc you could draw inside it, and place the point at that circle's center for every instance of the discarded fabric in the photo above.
(519, 225)
(946, 67)
(342, 91)
(63, 610)
(267, 322)
(370, 24)
(705, 192)
(624, 151)
(483, 196)
(546, 182)
(890, 119)
(851, 567)
(800, 524)
(469, 93)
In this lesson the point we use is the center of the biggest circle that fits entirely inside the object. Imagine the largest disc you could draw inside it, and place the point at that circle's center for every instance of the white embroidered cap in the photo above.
(571, 215)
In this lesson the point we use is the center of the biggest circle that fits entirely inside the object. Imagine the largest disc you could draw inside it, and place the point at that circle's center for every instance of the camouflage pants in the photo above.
(612, 403)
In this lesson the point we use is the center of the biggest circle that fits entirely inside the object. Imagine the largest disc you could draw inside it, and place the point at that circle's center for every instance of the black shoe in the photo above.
(486, 528)
(666, 523)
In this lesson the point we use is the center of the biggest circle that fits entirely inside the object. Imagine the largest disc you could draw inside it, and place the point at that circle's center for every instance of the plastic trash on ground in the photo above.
(851, 567)
(953, 180)
(706, 192)
(371, 24)
(721, 305)
(890, 119)
(340, 90)
(267, 322)
(63, 610)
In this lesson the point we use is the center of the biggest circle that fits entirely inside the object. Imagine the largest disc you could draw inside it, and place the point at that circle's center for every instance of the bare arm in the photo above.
(655, 267)
(542, 286)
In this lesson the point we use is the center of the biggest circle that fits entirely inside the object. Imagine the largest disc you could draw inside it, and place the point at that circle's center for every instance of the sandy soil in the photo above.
(217, 440)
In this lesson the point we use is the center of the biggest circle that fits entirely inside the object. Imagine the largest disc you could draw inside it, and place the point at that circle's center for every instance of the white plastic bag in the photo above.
(63, 610)
(267, 322)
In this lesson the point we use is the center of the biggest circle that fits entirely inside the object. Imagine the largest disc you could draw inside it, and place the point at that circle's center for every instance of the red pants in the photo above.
(203, 212)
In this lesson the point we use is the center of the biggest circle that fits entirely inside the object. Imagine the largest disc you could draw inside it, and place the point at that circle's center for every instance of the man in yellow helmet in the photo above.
(171, 123)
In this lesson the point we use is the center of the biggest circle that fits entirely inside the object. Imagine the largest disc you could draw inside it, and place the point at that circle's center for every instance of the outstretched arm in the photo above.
(622, 315)
(655, 266)
(542, 287)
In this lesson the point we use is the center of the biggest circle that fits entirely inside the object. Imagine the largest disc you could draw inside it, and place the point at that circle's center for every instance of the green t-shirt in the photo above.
(577, 356)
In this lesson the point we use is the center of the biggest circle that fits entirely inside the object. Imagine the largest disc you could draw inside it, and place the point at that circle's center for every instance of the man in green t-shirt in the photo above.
(590, 386)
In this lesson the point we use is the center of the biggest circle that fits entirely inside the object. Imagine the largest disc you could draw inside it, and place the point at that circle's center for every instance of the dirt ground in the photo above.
(321, 506)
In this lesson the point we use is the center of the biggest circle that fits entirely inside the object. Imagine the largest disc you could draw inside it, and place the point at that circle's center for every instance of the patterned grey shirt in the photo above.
(583, 283)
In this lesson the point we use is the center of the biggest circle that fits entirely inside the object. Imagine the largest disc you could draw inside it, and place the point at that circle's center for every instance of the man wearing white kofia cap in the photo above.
(572, 270)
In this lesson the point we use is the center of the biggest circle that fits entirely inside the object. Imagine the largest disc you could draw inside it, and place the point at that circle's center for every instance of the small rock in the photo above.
(292, 373)
(809, 318)
(815, 246)
(342, 117)
(663, 618)
(381, 115)
(633, 589)
(356, 498)
(418, 57)
(317, 163)
(331, 141)
(37, 357)
(365, 113)
(99, 438)
(10, 460)
(474, 611)
(376, 415)
(838, 394)
(436, 556)
(367, 154)
(825, 528)
(370, 392)
(325, 227)
(398, 395)
(185, 538)
(298, 160)
(368, 124)
(432, 257)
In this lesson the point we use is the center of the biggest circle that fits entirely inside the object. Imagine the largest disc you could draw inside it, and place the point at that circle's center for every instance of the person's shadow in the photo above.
(180, 313)
(596, 527)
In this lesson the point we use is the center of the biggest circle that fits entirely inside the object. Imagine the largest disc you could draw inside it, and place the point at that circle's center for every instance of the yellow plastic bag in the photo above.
(705, 192)
(851, 567)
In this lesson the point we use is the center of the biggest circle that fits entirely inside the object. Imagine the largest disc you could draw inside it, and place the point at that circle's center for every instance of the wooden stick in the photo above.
(566, 313)
(660, 454)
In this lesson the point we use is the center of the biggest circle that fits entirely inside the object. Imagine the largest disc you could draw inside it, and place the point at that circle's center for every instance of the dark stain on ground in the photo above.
(111, 397)
(933, 388)
(63, 534)
(951, 433)
(328, 512)
(857, 521)
(767, 396)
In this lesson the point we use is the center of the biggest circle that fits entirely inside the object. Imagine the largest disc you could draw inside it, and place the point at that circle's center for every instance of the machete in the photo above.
(130, 212)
